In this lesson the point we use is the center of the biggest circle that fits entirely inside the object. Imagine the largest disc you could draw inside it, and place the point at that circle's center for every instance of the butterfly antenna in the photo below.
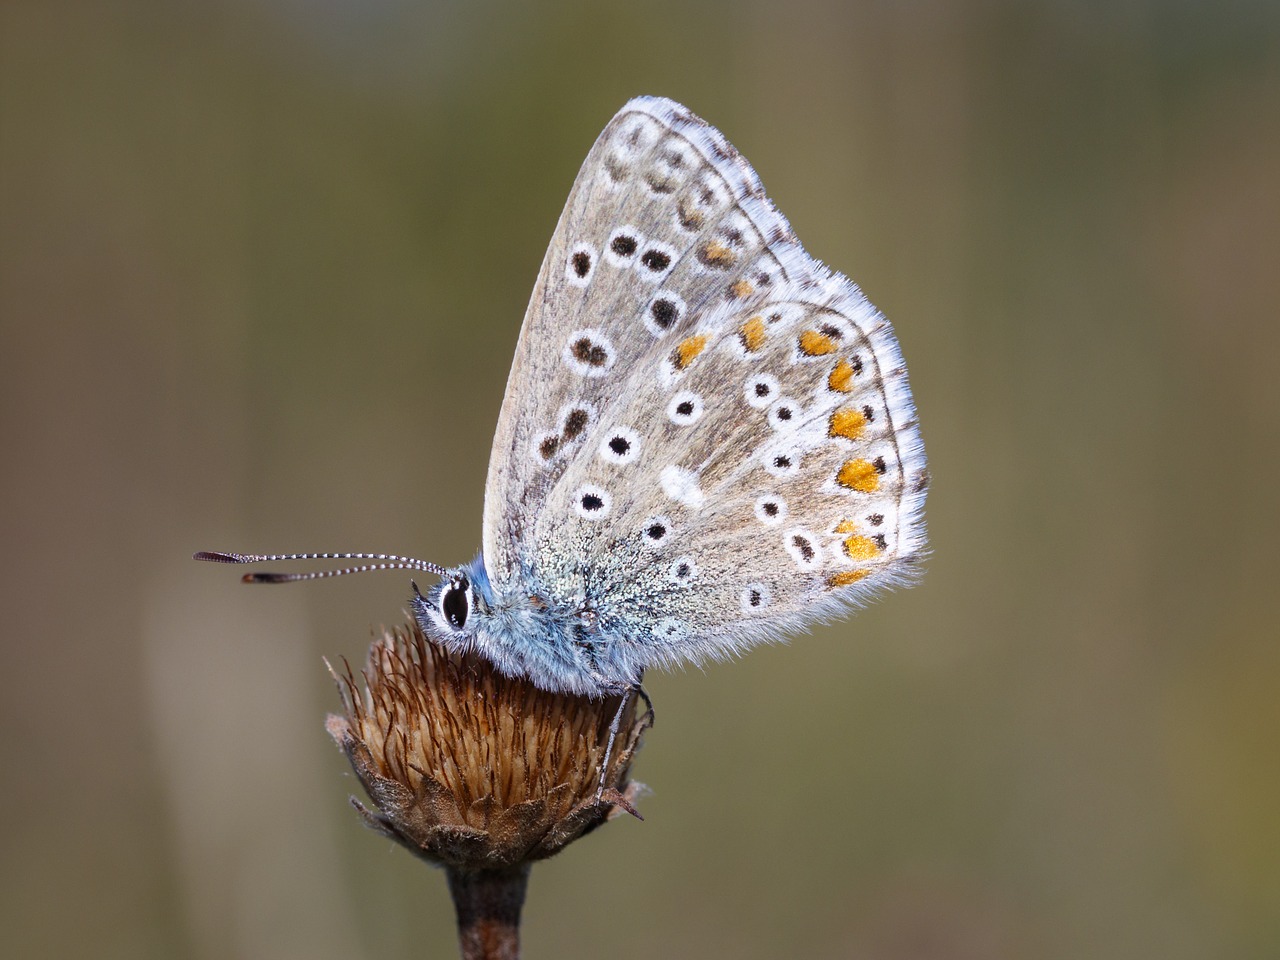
(385, 562)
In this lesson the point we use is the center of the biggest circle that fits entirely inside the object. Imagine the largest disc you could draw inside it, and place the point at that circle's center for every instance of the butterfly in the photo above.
(707, 439)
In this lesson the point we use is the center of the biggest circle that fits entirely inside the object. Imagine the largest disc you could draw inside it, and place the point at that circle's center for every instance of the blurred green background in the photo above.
(247, 253)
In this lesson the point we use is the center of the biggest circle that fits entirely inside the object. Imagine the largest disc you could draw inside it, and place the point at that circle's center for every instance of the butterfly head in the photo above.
(453, 611)
(521, 632)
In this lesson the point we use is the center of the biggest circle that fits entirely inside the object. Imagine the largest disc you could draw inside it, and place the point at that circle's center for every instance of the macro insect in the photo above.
(707, 438)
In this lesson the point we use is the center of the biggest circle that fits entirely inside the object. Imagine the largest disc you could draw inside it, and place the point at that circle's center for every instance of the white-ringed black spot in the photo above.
(592, 502)
(656, 531)
(869, 413)
(589, 353)
(622, 246)
(760, 390)
(685, 408)
(683, 571)
(784, 462)
(575, 421)
(771, 510)
(620, 445)
(784, 414)
(580, 267)
(803, 547)
(656, 260)
(876, 519)
(755, 597)
(664, 313)
(879, 464)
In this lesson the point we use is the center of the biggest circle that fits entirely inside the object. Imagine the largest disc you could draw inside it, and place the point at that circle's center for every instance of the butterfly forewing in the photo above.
(707, 436)
(617, 277)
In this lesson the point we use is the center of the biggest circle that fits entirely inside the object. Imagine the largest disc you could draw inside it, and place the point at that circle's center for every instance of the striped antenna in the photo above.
(386, 562)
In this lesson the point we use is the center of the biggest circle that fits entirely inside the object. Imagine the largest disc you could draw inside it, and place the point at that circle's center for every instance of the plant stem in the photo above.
(488, 903)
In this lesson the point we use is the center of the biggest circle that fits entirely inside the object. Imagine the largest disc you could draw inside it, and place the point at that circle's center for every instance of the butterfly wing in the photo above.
(603, 300)
(707, 436)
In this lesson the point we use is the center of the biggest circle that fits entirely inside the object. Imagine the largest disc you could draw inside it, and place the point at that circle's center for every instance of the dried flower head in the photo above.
(474, 770)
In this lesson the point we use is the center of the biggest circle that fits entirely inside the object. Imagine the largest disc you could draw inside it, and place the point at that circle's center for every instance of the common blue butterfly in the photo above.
(707, 439)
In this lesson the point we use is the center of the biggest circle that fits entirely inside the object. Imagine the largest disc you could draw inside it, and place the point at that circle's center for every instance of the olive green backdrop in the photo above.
(262, 267)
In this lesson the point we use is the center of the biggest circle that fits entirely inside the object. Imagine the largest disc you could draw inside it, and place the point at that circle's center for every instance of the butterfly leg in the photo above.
(648, 704)
(627, 691)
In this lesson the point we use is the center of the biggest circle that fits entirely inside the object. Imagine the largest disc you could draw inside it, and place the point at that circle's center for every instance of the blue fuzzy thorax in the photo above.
(523, 633)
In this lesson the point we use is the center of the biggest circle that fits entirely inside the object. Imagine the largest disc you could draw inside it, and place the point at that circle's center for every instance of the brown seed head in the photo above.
(474, 770)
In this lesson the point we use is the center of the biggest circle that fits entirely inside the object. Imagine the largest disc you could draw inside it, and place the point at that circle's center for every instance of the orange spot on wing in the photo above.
(716, 254)
(688, 350)
(861, 548)
(752, 334)
(816, 344)
(841, 379)
(848, 424)
(846, 526)
(860, 475)
(740, 288)
(846, 577)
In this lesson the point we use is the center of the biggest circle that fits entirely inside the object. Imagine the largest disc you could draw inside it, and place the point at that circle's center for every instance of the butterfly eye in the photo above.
(455, 604)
